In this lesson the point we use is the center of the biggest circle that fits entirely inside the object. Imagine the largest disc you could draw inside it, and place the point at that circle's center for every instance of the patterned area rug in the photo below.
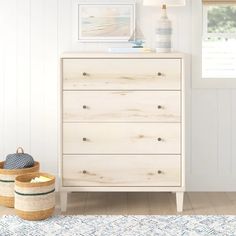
(120, 225)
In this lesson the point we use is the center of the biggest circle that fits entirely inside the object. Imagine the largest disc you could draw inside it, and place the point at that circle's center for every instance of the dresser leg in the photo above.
(63, 196)
(179, 201)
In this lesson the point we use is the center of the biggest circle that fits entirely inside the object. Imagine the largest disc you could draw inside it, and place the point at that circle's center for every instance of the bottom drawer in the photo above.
(121, 170)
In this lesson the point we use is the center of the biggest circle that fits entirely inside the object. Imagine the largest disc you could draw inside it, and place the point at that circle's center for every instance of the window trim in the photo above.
(197, 33)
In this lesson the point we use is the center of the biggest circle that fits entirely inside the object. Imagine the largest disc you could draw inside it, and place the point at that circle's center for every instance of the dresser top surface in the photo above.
(172, 55)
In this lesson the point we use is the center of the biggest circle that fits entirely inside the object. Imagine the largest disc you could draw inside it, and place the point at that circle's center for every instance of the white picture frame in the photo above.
(105, 21)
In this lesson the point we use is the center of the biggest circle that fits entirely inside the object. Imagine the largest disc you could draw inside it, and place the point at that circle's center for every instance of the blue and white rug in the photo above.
(120, 225)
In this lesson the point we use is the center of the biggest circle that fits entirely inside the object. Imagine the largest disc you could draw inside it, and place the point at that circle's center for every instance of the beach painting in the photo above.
(106, 22)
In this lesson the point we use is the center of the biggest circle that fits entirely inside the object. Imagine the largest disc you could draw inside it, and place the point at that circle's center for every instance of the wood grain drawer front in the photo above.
(121, 170)
(121, 138)
(115, 106)
(115, 74)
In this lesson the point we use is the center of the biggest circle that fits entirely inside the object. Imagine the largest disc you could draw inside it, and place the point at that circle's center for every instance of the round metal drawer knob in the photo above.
(85, 107)
(159, 74)
(159, 107)
(159, 172)
(159, 139)
(85, 74)
(84, 139)
(84, 171)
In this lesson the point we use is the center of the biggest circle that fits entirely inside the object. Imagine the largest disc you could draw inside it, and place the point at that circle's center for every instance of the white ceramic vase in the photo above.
(163, 33)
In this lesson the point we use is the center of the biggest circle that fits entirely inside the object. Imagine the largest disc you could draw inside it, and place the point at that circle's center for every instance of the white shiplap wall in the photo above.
(32, 36)
(28, 79)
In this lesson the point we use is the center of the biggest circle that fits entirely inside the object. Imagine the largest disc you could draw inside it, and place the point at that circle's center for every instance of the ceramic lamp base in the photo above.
(163, 44)
(163, 33)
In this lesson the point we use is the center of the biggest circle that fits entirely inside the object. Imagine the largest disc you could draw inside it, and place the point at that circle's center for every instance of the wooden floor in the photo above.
(144, 204)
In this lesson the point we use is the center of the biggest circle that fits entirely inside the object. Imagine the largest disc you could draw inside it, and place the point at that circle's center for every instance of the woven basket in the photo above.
(34, 201)
(7, 179)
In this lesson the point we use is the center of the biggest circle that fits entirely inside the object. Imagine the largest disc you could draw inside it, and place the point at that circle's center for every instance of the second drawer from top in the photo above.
(121, 106)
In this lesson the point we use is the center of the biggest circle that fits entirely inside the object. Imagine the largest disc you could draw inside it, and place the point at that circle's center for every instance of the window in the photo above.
(219, 41)
(214, 43)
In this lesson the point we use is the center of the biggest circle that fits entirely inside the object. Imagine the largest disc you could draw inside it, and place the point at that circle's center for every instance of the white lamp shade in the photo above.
(166, 2)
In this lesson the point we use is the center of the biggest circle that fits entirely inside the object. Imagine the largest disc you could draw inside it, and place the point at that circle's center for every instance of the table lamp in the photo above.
(163, 29)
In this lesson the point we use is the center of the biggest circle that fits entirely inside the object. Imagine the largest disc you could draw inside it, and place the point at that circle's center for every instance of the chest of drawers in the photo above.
(122, 123)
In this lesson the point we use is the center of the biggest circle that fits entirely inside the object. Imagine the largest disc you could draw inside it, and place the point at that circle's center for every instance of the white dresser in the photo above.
(122, 123)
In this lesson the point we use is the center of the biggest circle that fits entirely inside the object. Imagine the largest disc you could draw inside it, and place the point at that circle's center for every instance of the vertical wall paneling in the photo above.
(233, 135)
(224, 132)
(2, 68)
(39, 134)
(23, 74)
(51, 65)
(10, 76)
(44, 77)
(65, 24)
(204, 132)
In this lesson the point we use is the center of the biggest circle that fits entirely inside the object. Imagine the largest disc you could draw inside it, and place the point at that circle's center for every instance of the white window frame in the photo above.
(197, 33)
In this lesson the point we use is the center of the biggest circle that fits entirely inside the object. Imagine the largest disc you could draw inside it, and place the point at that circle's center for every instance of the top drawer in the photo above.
(118, 74)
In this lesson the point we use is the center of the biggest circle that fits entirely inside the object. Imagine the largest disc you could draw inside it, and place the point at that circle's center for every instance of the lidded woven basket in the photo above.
(18, 160)
(34, 201)
(7, 182)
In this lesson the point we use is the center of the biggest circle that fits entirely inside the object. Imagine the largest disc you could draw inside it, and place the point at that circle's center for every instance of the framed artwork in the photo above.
(105, 21)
